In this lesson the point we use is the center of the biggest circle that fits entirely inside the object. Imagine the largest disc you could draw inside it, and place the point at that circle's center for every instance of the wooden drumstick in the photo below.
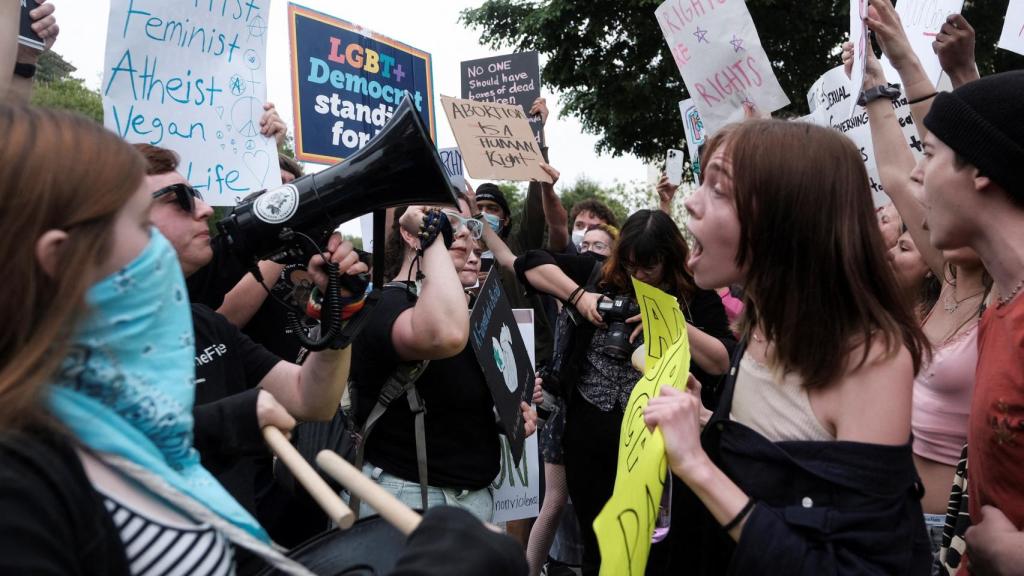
(390, 508)
(317, 487)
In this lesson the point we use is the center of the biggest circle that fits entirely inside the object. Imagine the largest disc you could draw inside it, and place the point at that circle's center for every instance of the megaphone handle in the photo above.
(390, 508)
(329, 501)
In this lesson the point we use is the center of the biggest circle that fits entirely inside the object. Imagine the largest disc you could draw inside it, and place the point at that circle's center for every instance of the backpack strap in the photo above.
(401, 382)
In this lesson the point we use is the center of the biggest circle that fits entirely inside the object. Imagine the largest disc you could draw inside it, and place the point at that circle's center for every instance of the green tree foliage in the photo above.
(610, 62)
(69, 94)
(56, 88)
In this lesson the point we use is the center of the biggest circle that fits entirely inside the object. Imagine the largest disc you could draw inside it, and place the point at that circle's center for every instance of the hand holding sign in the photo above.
(954, 45)
(626, 523)
(495, 140)
(720, 58)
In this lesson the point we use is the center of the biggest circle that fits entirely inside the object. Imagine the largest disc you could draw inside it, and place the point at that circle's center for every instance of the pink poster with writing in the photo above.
(716, 47)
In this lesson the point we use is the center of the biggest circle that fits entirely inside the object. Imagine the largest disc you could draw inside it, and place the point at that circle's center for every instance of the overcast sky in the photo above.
(430, 26)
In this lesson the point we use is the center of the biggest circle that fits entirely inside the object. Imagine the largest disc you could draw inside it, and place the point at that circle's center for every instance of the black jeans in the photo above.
(591, 451)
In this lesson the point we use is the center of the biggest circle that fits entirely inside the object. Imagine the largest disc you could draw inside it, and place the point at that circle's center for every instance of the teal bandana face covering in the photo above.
(127, 385)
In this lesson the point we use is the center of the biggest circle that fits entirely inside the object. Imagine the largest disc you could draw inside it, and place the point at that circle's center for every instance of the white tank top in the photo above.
(778, 410)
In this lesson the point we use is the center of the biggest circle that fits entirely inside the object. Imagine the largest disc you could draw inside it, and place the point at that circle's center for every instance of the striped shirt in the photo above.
(155, 548)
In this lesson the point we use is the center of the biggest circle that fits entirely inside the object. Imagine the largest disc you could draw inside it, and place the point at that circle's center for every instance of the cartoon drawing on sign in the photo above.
(505, 359)
(245, 114)
(258, 164)
(257, 28)
(237, 85)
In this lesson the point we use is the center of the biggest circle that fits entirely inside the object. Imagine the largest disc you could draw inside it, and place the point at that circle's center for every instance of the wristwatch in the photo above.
(890, 91)
(24, 70)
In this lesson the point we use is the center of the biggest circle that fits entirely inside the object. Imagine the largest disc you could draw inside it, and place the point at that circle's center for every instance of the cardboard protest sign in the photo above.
(503, 357)
(693, 126)
(829, 98)
(626, 523)
(508, 79)
(517, 487)
(347, 82)
(495, 140)
(451, 158)
(921, 21)
(720, 57)
(27, 36)
(1012, 36)
(191, 77)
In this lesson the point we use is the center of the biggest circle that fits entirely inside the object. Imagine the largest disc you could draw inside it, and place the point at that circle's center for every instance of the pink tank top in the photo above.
(942, 399)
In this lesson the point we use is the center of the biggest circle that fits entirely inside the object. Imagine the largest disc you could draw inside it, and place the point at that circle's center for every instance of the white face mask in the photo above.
(577, 237)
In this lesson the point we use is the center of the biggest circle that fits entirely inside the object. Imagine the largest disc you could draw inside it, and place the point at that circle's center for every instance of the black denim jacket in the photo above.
(823, 508)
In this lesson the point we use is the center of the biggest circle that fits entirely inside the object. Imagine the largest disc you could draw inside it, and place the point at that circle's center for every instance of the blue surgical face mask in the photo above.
(494, 221)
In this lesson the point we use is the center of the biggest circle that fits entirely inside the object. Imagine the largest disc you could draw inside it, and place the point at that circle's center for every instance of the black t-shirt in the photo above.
(462, 439)
(269, 326)
(52, 521)
(229, 367)
(209, 284)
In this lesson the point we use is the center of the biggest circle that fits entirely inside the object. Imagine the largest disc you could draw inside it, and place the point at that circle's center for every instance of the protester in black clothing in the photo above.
(598, 382)
(428, 320)
(241, 387)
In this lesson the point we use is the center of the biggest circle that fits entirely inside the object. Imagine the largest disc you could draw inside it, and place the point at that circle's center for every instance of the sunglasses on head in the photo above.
(184, 194)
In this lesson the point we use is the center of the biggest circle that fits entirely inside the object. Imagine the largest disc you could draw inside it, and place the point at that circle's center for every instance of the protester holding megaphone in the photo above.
(240, 387)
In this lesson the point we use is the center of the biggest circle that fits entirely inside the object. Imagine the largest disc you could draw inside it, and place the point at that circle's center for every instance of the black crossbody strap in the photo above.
(401, 382)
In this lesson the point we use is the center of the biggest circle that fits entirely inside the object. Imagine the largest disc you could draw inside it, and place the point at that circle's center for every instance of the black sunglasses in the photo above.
(184, 194)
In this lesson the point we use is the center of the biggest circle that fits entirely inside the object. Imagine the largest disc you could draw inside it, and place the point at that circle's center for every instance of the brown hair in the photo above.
(594, 206)
(98, 174)
(817, 283)
(649, 238)
(158, 160)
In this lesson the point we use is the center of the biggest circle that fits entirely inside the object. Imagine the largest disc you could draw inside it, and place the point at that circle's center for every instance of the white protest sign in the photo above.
(922, 20)
(830, 97)
(720, 57)
(517, 488)
(693, 126)
(451, 158)
(191, 76)
(859, 38)
(1012, 37)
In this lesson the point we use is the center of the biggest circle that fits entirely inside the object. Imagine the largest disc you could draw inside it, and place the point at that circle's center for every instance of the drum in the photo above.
(371, 547)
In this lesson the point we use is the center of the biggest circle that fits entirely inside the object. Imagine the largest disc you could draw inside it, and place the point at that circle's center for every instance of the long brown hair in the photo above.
(818, 283)
(649, 238)
(57, 171)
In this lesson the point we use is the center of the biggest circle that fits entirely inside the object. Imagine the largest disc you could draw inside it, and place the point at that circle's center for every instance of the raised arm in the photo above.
(885, 23)
(45, 25)
(438, 325)
(503, 255)
(555, 216)
(954, 45)
(895, 162)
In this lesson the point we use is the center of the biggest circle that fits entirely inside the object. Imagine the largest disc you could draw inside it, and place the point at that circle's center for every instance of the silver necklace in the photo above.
(951, 304)
(1003, 300)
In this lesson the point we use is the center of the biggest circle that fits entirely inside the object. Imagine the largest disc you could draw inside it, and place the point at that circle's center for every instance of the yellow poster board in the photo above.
(626, 523)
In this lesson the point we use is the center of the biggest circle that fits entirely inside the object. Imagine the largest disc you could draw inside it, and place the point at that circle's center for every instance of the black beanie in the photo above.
(489, 191)
(983, 121)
